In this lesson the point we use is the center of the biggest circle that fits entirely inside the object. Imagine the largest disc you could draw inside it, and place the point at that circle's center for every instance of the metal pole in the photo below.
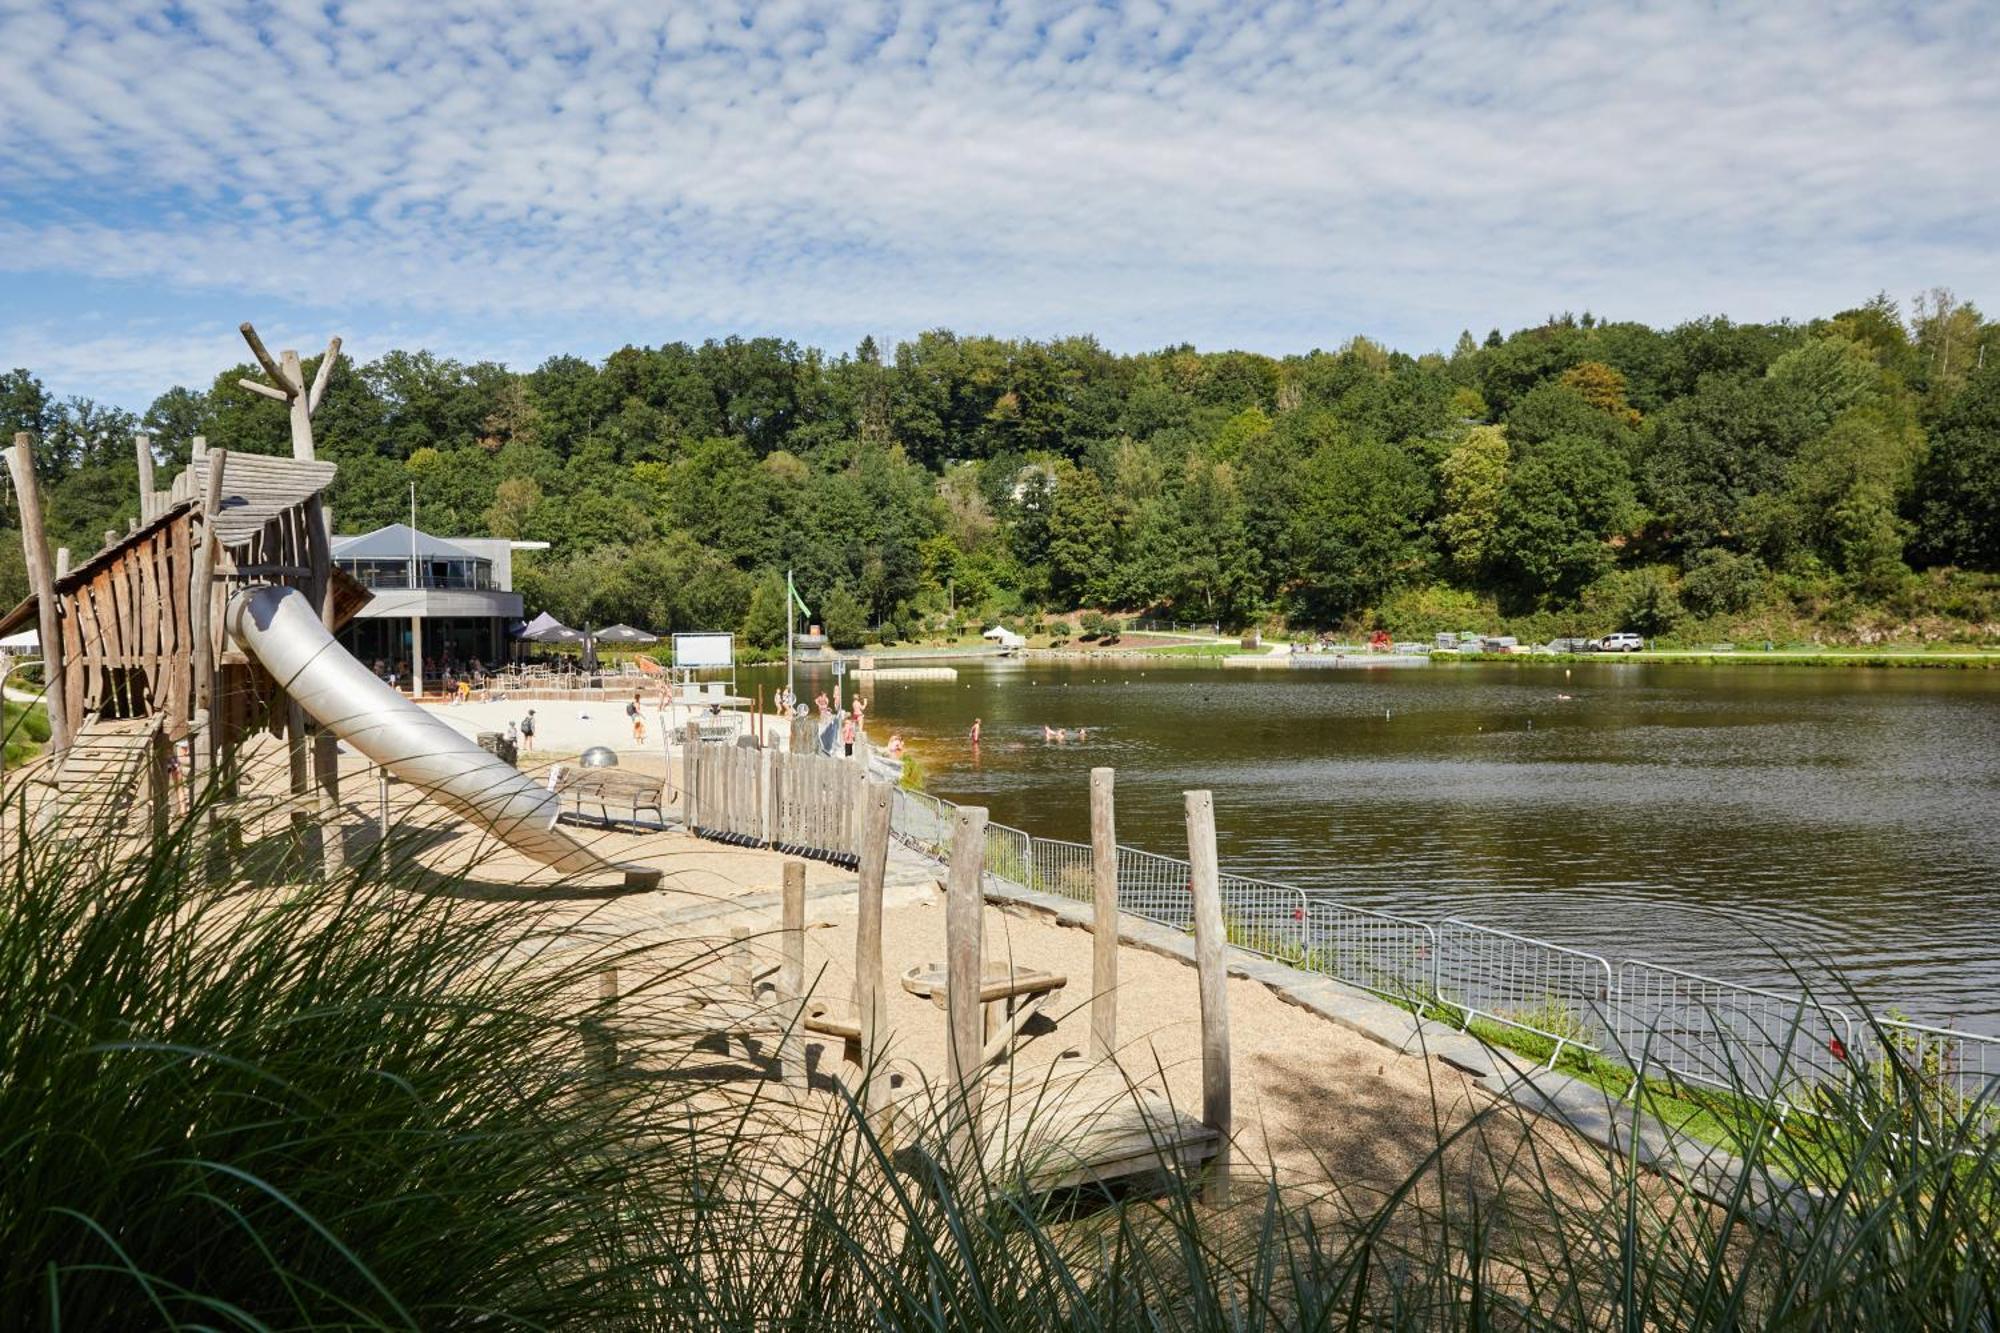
(791, 690)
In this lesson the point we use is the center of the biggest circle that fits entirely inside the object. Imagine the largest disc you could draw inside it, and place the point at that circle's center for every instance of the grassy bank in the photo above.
(239, 1101)
(1919, 659)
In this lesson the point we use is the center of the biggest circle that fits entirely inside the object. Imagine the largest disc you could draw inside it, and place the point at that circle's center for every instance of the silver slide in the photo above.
(279, 628)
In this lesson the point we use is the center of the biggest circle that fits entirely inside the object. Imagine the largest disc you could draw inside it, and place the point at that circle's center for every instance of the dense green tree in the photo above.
(1563, 500)
(1358, 533)
(1958, 495)
(1473, 477)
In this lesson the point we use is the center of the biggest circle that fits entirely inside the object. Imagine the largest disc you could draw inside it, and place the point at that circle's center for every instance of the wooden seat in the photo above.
(1011, 996)
(1082, 1123)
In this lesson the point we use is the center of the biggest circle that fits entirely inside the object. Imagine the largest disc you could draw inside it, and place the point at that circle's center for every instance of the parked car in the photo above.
(1621, 643)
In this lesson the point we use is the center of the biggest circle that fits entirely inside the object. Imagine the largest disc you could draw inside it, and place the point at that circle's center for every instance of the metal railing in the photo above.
(1741, 1038)
(1547, 989)
(1655, 1020)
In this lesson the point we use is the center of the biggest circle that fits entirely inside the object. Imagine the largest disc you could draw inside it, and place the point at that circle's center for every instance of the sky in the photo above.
(513, 181)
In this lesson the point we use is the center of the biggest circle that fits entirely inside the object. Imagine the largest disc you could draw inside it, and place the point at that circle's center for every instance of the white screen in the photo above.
(704, 650)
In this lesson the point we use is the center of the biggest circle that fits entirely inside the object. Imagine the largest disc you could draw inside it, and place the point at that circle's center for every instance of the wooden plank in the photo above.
(1104, 917)
(42, 581)
(792, 932)
(203, 613)
(964, 950)
(1210, 944)
(73, 668)
(326, 747)
(142, 448)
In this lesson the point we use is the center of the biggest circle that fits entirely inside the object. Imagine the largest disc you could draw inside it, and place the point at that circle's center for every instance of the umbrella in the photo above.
(624, 634)
(541, 624)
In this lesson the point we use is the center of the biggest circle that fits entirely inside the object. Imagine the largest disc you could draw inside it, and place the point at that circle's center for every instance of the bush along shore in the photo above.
(237, 1099)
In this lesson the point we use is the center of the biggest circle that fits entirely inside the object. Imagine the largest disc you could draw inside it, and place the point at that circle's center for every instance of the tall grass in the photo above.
(383, 1103)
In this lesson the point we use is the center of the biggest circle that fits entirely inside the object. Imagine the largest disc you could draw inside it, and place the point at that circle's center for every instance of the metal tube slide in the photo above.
(279, 628)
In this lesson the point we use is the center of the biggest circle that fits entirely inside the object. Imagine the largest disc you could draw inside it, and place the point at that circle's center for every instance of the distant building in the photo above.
(437, 599)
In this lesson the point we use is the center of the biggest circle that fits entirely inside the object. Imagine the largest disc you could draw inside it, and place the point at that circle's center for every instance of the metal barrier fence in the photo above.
(1562, 994)
(1657, 1020)
(1742, 1038)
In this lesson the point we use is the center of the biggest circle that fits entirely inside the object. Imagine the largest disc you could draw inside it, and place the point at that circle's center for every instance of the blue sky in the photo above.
(516, 180)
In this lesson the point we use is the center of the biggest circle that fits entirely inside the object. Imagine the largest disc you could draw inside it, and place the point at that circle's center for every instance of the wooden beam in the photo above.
(964, 929)
(1104, 917)
(1211, 966)
(149, 504)
(323, 375)
(42, 582)
(255, 386)
(263, 357)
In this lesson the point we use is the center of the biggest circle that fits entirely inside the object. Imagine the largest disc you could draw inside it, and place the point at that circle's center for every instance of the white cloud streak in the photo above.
(1272, 175)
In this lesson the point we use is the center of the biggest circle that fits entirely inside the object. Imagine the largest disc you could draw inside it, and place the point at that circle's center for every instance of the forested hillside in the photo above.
(1838, 477)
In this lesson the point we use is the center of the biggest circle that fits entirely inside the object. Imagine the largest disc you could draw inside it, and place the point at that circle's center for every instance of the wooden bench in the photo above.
(606, 787)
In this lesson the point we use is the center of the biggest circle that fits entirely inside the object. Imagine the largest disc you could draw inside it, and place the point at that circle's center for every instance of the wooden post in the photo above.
(691, 797)
(62, 562)
(201, 596)
(1104, 917)
(142, 448)
(1211, 967)
(740, 970)
(870, 986)
(326, 746)
(41, 582)
(792, 975)
(792, 972)
(964, 928)
(600, 1033)
(198, 449)
(110, 538)
(159, 792)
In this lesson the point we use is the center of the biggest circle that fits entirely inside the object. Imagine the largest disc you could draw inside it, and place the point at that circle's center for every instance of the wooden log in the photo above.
(42, 582)
(792, 938)
(62, 562)
(201, 590)
(870, 986)
(326, 746)
(965, 956)
(149, 505)
(302, 430)
(263, 357)
(1104, 917)
(198, 450)
(110, 538)
(1211, 967)
(324, 375)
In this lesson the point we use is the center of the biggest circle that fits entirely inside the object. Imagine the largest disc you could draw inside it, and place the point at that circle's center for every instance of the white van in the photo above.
(1622, 643)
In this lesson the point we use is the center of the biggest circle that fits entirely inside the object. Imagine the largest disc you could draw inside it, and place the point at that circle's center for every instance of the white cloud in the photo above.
(1269, 175)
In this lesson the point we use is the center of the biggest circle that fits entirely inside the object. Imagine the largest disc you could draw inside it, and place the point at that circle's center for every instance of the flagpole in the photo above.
(790, 692)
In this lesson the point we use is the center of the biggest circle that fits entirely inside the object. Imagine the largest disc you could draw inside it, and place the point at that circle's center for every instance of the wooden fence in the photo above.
(803, 804)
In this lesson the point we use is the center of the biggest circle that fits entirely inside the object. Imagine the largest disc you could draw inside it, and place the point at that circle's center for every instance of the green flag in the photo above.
(796, 599)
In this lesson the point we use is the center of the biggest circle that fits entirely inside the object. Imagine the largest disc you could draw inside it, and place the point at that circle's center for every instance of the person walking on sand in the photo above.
(528, 731)
(638, 719)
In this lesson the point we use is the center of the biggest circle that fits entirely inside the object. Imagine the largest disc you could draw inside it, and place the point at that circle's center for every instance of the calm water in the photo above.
(1725, 820)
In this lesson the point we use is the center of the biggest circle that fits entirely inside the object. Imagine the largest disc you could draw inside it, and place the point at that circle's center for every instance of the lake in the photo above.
(1735, 821)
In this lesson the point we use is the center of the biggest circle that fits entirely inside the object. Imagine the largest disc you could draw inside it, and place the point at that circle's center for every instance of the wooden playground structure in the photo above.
(141, 679)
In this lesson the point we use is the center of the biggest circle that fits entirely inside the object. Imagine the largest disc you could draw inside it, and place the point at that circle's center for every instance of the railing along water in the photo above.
(1655, 1019)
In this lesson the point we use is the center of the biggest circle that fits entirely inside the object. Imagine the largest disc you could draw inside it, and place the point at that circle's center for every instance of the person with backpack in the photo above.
(528, 731)
(638, 720)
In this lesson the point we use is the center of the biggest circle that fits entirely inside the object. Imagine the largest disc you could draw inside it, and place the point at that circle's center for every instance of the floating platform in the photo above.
(908, 673)
(1354, 661)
